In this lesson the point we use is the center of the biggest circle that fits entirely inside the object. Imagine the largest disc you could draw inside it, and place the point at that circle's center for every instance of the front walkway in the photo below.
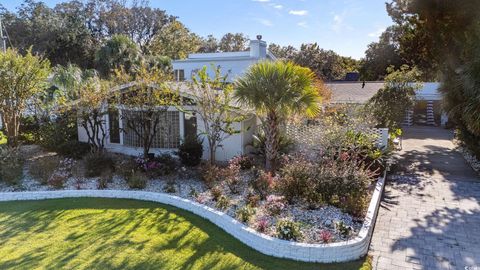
(430, 214)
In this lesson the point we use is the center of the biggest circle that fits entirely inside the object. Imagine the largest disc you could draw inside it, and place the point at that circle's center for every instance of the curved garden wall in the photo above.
(334, 252)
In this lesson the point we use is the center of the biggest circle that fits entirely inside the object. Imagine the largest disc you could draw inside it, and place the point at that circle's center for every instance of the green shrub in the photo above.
(288, 230)
(43, 168)
(170, 187)
(105, 177)
(191, 151)
(216, 192)
(137, 180)
(245, 213)
(73, 149)
(11, 165)
(126, 167)
(97, 162)
(3, 138)
(223, 203)
(54, 134)
(285, 144)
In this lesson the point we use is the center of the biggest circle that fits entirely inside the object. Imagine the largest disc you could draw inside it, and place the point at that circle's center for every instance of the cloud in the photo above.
(262, 1)
(277, 6)
(377, 33)
(265, 22)
(298, 12)
(338, 23)
(303, 24)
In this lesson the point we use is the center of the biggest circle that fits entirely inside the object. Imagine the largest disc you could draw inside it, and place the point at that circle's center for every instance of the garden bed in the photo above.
(318, 225)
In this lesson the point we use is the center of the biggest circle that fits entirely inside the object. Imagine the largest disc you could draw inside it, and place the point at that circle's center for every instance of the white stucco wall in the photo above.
(234, 67)
(429, 91)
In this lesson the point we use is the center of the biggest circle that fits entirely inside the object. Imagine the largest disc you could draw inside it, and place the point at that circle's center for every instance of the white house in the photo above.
(182, 123)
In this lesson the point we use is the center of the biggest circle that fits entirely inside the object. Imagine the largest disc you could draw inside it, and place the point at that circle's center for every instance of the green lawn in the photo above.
(122, 234)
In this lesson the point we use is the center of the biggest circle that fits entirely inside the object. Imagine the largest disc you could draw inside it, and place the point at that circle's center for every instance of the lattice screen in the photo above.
(167, 136)
(309, 135)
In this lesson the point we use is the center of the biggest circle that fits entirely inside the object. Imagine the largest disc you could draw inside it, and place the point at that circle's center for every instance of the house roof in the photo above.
(353, 92)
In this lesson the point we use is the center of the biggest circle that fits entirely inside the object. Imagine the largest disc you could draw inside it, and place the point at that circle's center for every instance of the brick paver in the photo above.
(430, 214)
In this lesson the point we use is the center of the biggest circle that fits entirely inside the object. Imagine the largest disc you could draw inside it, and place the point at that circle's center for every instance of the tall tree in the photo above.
(118, 52)
(381, 55)
(398, 94)
(21, 79)
(145, 104)
(233, 42)
(209, 45)
(175, 41)
(276, 90)
(213, 98)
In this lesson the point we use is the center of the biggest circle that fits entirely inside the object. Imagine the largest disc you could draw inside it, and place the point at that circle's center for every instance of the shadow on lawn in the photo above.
(123, 234)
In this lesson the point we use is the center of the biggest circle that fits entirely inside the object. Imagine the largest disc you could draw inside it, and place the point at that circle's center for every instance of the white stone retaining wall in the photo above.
(326, 253)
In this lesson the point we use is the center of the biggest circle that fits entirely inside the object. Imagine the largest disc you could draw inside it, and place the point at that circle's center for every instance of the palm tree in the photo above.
(276, 90)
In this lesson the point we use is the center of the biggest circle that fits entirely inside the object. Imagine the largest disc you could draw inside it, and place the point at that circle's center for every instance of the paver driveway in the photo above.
(430, 214)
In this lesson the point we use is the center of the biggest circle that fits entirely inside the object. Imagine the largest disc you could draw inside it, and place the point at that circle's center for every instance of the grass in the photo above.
(124, 234)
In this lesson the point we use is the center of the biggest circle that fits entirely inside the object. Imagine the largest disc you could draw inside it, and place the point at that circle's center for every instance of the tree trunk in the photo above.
(11, 127)
(271, 142)
(213, 150)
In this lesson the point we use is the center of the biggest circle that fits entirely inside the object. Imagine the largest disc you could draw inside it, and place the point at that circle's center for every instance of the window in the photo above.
(114, 125)
(167, 134)
(179, 75)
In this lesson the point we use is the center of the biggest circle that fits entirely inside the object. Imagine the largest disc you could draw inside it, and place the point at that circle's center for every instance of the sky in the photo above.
(345, 26)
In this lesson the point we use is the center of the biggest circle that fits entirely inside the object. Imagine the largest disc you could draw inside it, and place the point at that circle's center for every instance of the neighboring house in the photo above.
(182, 123)
(427, 110)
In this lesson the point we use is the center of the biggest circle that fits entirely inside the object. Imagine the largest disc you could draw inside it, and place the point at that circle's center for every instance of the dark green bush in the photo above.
(43, 168)
(168, 164)
(97, 162)
(191, 151)
(288, 230)
(11, 165)
(285, 144)
(245, 213)
(137, 180)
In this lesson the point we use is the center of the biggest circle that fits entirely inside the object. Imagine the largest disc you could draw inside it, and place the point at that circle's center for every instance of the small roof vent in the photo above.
(259, 37)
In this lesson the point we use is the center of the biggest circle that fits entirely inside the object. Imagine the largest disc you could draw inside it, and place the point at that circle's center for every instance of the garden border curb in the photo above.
(325, 253)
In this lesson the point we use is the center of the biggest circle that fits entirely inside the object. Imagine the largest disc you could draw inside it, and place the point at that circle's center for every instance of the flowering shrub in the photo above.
(288, 230)
(263, 183)
(275, 204)
(262, 224)
(243, 161)
(161, 165)
(326, 236)
(245, 213)
(231, 176)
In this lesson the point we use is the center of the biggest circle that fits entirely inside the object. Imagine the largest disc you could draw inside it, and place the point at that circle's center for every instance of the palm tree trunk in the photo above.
(271, 142)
